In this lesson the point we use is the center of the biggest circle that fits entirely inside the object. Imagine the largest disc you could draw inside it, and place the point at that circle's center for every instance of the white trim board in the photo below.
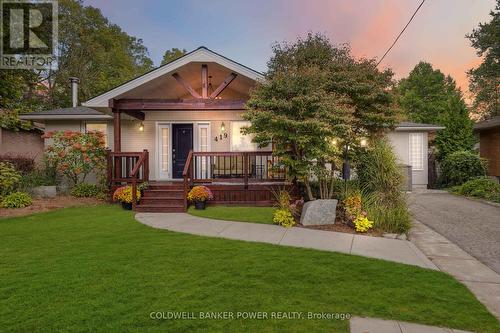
(201, 54)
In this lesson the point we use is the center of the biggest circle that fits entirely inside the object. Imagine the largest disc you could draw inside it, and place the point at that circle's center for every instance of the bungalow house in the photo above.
(180, 124)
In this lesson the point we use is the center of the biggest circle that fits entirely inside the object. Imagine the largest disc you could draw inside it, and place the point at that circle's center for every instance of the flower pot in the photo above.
(127, 205)
(199, 204)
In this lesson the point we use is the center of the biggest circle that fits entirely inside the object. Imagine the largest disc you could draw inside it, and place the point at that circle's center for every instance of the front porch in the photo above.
(235, 178)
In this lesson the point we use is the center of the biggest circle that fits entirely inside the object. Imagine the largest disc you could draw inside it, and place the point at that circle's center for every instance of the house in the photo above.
(182, 121)
(489, 144)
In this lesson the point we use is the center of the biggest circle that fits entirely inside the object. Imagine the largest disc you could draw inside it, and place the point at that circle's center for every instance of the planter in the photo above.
(199, 204)
(45, 191)
(127, 205)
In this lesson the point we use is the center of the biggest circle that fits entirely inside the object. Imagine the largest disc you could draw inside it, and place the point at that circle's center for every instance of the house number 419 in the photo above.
(221, 137)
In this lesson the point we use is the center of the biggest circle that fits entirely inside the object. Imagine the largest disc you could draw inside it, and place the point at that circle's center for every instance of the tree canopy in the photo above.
(484, 81)
(428, 96)
(315, 94)
(172, 54)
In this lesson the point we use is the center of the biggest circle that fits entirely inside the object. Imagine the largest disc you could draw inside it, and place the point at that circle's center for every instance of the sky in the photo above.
(245, 30)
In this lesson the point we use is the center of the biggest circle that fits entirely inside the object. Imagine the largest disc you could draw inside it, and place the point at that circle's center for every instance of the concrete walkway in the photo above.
(375, 247)
(448, 257)
(372, 325)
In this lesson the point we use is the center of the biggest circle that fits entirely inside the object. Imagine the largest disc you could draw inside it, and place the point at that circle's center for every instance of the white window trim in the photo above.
(421, 135)
(256, 148)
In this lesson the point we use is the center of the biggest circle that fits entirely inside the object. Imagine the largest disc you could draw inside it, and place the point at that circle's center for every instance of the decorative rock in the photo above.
(318, 212)
(391, 236)
(45, 192)
(402, 237)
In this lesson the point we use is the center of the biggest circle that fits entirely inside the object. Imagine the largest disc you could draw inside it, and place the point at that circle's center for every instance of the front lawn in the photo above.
(97, 269)
(236, 213)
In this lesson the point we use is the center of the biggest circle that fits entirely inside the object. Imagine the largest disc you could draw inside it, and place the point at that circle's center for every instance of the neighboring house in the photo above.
(196, 103)
(25, 143)
(489, 143)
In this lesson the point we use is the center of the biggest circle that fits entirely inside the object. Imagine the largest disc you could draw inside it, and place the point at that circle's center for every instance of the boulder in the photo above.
(45, 192)
(319, 212)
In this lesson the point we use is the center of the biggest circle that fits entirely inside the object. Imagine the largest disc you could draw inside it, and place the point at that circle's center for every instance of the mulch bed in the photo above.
(44, 205)
(340, 227)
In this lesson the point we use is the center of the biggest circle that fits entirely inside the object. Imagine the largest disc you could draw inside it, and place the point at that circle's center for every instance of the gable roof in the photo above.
(201, 54)
(487, 124)
(79, 112)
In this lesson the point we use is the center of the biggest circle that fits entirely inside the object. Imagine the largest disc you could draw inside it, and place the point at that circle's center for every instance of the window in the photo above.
(98, 127)
(416, 158)
(239, 141)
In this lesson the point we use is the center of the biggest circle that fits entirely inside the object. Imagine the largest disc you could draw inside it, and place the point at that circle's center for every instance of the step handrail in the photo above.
(143, 161)
(186, 175)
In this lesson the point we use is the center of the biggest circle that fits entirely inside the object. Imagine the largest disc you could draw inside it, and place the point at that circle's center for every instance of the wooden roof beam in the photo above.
(223, 85)
(186, 85)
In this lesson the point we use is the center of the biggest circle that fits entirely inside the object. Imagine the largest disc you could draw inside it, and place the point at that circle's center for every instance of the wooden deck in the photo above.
(235, 178)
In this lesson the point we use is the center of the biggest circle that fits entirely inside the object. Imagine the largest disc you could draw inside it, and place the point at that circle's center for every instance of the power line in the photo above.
(402, 31)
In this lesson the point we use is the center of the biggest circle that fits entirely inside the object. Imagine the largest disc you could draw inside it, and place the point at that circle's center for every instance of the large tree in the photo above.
(485, 79)
(96, 51)
(172, 54)
(428, 96)
(315, 94)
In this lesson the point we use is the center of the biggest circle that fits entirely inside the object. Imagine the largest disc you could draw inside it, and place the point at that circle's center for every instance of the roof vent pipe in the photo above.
(74, 91)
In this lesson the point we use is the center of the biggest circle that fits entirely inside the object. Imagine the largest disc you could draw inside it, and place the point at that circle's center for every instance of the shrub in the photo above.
(200, 193)
(77, 154)
(484, 188)
(461, 166)
(378, 169)
(124, 194)
(362, 223)
(381, 181)
(22, 164)
(85, 190)
(284, 218)
(9, 178)
(388, 212)
(17, 200)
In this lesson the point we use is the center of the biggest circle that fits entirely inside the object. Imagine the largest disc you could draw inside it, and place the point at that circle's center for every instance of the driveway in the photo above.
(473, 226)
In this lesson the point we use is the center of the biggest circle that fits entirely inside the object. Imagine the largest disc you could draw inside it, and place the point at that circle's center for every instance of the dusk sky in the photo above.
(245, 30)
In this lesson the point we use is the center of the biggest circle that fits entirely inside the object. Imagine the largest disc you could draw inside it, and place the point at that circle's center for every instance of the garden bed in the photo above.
(340, 227)
(44, 205)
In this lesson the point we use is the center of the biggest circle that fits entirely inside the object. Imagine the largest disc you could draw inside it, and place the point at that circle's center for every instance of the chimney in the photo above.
(74, 91)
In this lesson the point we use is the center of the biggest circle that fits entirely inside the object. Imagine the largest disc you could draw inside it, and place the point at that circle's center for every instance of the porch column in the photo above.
(117, 141)
(117, 133)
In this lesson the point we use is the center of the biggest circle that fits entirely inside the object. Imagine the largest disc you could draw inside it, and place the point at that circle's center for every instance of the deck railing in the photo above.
(128, 168)
(233, 167)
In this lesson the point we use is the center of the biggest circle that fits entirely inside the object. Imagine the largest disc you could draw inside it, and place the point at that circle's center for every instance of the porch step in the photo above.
(158, 209)
(174, 186)
(178, 201)
(173, 193)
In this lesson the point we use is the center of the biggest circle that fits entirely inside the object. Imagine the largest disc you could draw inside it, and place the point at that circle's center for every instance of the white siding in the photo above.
(400, 141)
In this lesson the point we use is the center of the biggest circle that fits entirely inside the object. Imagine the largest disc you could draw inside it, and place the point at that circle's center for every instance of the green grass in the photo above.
(235, 213)
(98, 270)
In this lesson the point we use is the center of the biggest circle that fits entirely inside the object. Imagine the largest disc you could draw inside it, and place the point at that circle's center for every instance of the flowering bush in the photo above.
(284, 218)
(77, 154)
(362, 224)
(124, 194)
(352, 206)
(200, 193)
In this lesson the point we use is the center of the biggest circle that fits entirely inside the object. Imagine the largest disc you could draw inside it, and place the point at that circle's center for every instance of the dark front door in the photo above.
(182, 143)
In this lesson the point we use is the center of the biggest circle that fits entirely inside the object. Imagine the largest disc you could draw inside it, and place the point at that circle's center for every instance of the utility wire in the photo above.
(402, 31)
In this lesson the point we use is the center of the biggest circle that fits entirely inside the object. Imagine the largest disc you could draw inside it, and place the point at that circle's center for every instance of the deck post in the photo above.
(117, 140)
(245, 169)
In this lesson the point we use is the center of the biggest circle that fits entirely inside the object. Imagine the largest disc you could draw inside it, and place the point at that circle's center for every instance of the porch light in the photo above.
(363, 142)
(222, 127)
(141, 127)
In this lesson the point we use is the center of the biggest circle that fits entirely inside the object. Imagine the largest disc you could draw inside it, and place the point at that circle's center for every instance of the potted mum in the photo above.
(124, 195)
(199, 195)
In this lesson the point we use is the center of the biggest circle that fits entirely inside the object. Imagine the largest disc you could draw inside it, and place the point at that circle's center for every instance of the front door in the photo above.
(182, 143)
